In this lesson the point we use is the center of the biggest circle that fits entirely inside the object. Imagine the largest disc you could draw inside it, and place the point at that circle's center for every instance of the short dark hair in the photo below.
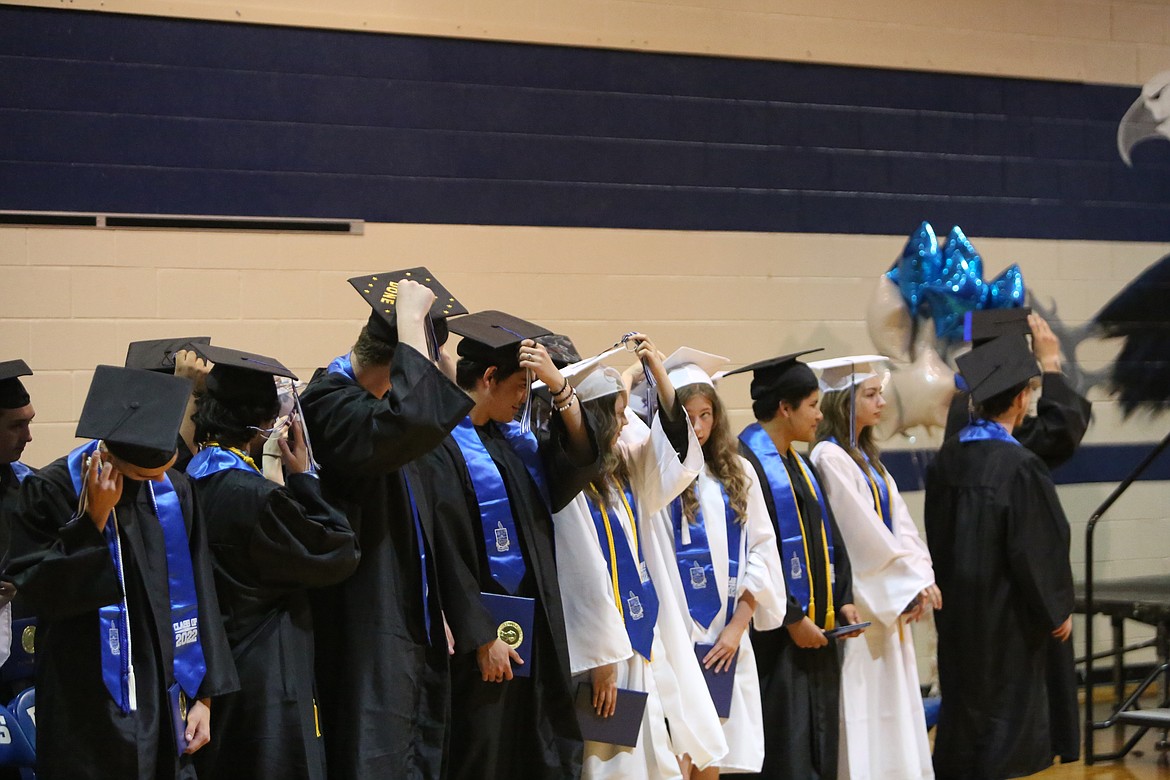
(468, 371)
(229, 425)
(764, 407)
(1000, 402)
(371, 351)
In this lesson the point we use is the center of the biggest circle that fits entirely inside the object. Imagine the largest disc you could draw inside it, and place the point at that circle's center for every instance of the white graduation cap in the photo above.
(843, 372)
(592, 379)
(846, 373)
(685, 366)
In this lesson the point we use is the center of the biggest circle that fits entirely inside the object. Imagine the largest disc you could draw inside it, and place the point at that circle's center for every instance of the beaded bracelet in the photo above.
(565, 406)
(564, 387)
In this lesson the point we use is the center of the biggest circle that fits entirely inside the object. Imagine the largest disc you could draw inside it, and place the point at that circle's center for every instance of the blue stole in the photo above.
(505, 561)
(790, 525)
(633, 590)
(189, 663)
(20, 470)
(343, 366)
(877, 485)
(211, 460)
(695, 566)
(986, 430)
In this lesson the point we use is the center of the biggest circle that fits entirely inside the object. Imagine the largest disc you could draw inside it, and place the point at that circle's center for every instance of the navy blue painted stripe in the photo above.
(1091, 463)
(104, 112)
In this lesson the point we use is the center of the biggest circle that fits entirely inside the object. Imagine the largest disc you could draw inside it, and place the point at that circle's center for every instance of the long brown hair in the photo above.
(835, 425)
(722, 455)
(606, 426)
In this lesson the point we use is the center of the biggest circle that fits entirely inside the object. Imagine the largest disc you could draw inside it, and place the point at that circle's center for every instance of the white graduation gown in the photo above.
(760, 574)
(597, 635)
(883, 728)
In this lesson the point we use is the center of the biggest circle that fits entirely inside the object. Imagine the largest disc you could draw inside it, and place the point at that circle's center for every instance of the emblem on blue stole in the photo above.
(503, 543)
(635, 605)
(796, 569)
(698, 576)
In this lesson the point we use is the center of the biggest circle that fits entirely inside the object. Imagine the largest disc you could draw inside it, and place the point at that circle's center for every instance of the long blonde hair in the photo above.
(835, 425)
(722, 455)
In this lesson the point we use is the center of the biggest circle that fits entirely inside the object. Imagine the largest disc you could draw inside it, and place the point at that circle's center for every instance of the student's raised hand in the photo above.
(446, 363)
(294, 454)
(198, 725)
(495, 661)
(1064, 630)
(604, 679)
(806, 634)
(1045, 345)
(103, 488)
(414, 301)
(535, 358)
(190, 366)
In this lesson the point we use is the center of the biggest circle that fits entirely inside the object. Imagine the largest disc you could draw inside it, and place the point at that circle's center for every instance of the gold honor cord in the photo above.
(830, 613)
(617, 591)
(236, 451)
(877, 501)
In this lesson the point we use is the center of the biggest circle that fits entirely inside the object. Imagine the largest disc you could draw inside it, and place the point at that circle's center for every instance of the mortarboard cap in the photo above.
(12, 392)
(997, 366)
(159, 354)
(844, 372)
(687, 366)
(136, 413)
(560, 348)
(986, 324)
(380, 291)
(779, 374)
(241, 377)
(493, 336)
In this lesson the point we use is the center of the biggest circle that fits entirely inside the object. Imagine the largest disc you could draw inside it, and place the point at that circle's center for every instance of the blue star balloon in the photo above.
(1006, 291)
(959, 287)
(919, 263)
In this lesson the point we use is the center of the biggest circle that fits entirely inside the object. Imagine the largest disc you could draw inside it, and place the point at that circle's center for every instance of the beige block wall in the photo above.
(1106, 41)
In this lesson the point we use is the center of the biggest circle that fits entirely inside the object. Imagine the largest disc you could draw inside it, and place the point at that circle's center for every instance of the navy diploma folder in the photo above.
(720, 684)
(622, 728)
(513, 617)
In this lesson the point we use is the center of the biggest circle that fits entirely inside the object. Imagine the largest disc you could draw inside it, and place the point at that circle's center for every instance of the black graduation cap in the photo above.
(986, 324)
(159, 354)
(241, 377)
(136, 413)
(779, 374)
(490, 336)
(996, 366)
(12, 392)
(380, 291)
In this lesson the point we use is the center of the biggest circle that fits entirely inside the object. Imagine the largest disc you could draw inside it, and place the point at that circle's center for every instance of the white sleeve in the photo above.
(885, 579)
(762, 575)
(657, 474)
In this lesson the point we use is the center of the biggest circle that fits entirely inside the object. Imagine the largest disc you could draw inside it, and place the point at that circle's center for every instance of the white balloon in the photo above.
(919, 393)
(888, 320)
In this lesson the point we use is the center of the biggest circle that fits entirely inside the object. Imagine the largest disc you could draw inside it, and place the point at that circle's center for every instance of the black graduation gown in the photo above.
(1000, 543)
(63, 567)
(9, 496)
(525, 727)
(382, 683)
(799, 688)
(1062, 417)
(269, 545)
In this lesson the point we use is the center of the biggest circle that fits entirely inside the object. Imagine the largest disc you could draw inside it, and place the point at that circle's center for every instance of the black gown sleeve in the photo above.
(353, 432)
(59, 562)
(300, 540)
(1038, 545)
(1062, 417)
(456, 524)
(566, 478)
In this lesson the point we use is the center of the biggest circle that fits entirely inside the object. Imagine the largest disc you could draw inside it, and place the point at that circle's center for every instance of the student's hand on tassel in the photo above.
(1064, 630)
(414, 300)
(604, 679)
(1045, 344)
(495, 661)
(103, 488)
(806, 634)
(293, 452)
(198, 725)
(535, 358)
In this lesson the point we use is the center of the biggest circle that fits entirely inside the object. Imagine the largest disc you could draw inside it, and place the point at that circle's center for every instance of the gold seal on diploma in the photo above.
(28, 639)
(183, 706)
(510, 633)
